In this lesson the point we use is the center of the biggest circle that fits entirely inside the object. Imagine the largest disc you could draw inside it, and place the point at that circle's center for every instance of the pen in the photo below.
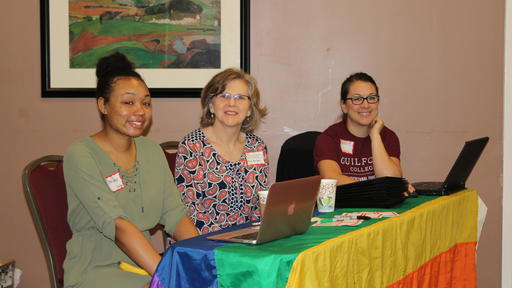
(351, 217)
(341, 218)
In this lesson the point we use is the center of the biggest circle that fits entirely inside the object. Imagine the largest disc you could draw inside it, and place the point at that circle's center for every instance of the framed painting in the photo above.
(176, 45)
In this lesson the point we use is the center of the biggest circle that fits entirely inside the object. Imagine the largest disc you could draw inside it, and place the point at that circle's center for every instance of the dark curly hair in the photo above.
(109, 69)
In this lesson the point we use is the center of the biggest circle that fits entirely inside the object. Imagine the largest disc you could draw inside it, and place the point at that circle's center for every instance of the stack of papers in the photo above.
(375, 193)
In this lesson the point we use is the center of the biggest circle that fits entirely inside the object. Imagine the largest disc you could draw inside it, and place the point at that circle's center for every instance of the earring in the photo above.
(246, 120)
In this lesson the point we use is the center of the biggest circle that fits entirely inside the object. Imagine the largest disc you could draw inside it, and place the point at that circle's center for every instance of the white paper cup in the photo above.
(263, 199)
(326, 195)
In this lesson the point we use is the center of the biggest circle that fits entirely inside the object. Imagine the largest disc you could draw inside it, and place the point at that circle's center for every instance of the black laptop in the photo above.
(456, 179)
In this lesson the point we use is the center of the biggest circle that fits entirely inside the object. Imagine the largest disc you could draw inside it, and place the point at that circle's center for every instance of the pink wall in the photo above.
(439, 65)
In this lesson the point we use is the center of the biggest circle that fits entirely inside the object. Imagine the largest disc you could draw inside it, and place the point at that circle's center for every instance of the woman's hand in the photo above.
(383, 164)
(411, 191)
(375, 127)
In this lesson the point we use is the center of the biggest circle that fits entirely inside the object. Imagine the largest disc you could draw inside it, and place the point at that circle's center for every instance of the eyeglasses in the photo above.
(237, 97)
(371, 99)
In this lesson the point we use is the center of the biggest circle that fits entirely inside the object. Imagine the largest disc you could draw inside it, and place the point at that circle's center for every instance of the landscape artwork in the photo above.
(163, 34)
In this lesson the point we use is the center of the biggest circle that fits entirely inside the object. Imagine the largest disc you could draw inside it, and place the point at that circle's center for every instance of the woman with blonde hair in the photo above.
(222, 165)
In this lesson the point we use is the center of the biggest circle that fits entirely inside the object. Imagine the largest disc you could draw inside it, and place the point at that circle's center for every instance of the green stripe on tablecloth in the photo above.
(245, 265)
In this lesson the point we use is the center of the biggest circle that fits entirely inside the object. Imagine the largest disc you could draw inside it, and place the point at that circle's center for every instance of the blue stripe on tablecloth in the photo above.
(184, 258)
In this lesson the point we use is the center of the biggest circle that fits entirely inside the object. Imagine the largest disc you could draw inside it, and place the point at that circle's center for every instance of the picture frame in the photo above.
(60, 80)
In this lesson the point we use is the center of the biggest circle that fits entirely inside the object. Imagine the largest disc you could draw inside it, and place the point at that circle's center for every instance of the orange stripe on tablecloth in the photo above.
(455, 267)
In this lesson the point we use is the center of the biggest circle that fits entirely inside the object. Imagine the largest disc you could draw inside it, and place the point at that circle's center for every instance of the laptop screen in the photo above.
(464, 164)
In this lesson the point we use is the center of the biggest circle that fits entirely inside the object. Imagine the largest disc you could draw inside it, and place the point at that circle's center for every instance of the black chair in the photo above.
(296, 157)
(45, 192)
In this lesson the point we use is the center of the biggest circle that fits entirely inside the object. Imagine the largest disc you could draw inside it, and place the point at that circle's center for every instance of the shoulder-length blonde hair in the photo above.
(218, 84)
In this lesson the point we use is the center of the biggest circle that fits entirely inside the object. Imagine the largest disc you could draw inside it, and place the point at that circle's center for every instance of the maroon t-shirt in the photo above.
(353, 154)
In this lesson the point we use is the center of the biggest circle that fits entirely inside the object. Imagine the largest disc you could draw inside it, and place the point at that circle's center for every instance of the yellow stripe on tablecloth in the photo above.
(383, 253)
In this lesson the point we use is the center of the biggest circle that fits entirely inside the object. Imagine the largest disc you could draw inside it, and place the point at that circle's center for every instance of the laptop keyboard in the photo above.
(248, 236)
(426, 185)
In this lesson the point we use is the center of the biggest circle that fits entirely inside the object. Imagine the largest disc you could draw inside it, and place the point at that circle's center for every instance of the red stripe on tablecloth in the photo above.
(455, 267)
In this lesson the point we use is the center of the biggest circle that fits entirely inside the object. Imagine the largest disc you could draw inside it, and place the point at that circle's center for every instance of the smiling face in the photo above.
(128, 111)
(231, 112)
(359, 117)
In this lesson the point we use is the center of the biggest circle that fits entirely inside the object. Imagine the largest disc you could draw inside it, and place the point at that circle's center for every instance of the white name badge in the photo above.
(347, 146)
(255, 158)
(115, 182)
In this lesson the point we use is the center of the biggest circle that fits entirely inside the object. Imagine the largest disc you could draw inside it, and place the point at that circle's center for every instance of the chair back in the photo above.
(45, 192)
(296, 157)
(170, 148)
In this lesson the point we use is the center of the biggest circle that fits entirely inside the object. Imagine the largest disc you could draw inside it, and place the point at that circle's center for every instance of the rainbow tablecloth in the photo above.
(432, 244)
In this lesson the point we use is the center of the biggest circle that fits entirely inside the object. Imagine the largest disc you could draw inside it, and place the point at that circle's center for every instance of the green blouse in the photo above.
(145, 195)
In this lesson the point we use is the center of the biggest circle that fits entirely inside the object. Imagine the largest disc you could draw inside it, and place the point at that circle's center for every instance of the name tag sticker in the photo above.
(115, 182)
(347, 146)
(255, 158)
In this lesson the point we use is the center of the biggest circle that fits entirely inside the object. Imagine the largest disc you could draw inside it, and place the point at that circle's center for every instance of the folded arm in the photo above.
(329, 169)
(383, 164)
(185, 229)
(132, 242)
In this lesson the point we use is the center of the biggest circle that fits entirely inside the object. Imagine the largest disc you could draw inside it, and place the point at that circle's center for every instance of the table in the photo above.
(431, 244)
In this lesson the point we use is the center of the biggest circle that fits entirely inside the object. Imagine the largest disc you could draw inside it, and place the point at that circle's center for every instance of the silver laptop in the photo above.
(456, 179)
(288, 212)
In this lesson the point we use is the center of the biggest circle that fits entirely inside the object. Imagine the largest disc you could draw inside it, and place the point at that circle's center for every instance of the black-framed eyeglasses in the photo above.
(371, 99)
(237, 97)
